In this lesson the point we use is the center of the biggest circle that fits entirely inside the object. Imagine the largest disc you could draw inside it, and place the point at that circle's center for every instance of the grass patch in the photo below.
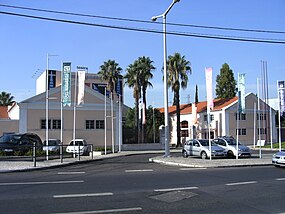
(275, 145)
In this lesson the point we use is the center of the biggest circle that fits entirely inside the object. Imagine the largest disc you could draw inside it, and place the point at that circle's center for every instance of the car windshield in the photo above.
(231, 141)
(206, 143)
(76, 143)
(10, 139)
(51, 143)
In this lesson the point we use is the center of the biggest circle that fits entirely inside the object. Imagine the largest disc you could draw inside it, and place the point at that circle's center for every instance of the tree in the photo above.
(111, 73)
(137, 77)
(196, 94)
(178, 69)
(132, 81)
(145, 66)
(6, 99)
(226, 83)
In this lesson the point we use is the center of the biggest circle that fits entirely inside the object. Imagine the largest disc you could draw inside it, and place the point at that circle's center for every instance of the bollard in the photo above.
(60, 153)
(34, 155)
(92, 151)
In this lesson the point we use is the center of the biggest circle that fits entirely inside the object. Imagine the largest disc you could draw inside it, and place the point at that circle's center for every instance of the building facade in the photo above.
(257, 122)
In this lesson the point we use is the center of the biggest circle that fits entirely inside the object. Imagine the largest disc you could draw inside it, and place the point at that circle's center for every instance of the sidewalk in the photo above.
(18, 165)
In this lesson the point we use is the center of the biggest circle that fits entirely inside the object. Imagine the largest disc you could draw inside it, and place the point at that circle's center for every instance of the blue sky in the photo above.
(26, 42)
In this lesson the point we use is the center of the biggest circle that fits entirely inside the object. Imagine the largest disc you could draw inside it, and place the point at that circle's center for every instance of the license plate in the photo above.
(8, 150)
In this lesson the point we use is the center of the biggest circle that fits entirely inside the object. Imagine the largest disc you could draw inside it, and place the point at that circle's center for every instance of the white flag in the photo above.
(81, 86)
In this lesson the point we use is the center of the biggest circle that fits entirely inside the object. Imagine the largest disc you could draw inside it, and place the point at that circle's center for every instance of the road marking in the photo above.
(41, 182)
(70, 173)
(106, 211)
(241, 183)
(175, 189)
(280, 179)
(84, 195)
(190, 169)
(139, 170)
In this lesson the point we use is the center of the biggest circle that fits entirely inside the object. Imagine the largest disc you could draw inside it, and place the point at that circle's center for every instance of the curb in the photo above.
(205, 166)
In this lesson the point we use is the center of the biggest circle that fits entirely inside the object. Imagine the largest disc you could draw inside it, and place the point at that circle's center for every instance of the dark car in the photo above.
(12, 143)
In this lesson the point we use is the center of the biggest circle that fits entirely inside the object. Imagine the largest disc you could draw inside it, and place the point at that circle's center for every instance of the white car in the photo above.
(79, 145)
(278, 159)
(230, 145)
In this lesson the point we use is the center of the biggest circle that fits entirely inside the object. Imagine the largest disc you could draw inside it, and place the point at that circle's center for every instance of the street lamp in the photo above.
(154, 18)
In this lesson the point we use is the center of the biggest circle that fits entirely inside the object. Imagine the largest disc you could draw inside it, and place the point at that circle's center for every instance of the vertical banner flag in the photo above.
(66, 84)
(210, 103)
(194, 114)
(281, 95)
(241, 93)
(81, 84)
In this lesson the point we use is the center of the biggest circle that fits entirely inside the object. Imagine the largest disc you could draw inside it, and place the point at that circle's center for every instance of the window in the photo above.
(241, 131)
(43, 124)
(184, 133)
(89, 124)
(261, 116)
(56, 124)
(100, 124)
(205, 117)
(212, 117)
(261, 131)
(240, 116)
(184, 124)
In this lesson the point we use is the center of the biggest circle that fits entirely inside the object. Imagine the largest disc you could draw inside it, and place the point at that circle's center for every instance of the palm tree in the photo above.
(137, 77)
(132, 80)
(6, 99)
(111, 73)
(145, 68)
(178, 69)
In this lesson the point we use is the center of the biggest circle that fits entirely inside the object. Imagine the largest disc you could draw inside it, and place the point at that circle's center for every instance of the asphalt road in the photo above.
(133, 185)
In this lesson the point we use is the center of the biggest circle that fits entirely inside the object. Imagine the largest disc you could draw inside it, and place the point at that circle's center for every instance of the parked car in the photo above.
(73, 147)
(230, 145)
(11, 143)
(278, 158)
(53, 145)
(200, 147)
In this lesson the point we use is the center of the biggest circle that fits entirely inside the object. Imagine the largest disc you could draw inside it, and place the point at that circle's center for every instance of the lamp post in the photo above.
(166, 126)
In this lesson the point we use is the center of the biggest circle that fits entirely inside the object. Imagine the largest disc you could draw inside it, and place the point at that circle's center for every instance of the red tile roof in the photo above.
(219, 104)
(4, 112)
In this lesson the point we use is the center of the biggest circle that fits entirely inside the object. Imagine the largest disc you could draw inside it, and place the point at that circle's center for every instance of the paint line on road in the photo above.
(175, 189)
(70, 173)
(106, 211)
(41, 182)
(280, 179)
(241, 183)
(139, 170)
(190, 169)
(84, 195)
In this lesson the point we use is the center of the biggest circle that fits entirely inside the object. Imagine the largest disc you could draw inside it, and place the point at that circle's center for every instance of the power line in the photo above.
(241, 39)
(144, 21)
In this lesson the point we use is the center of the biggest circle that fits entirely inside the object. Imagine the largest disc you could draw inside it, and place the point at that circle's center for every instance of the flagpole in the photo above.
(238, 117)
(258, 118)
(74, 113)
(105, 120)
(61, 117)
(254, 124)
(279, 116)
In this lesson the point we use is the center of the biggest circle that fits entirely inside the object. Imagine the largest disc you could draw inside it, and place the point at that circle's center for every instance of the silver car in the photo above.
(278, 159)
(230, 145)
(200, 147)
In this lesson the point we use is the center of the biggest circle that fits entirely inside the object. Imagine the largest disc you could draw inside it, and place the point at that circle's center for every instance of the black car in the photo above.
(23, 143)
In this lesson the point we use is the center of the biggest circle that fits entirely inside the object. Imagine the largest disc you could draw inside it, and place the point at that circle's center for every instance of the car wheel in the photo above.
(230, 154)
(203, 155)
(184, 154)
